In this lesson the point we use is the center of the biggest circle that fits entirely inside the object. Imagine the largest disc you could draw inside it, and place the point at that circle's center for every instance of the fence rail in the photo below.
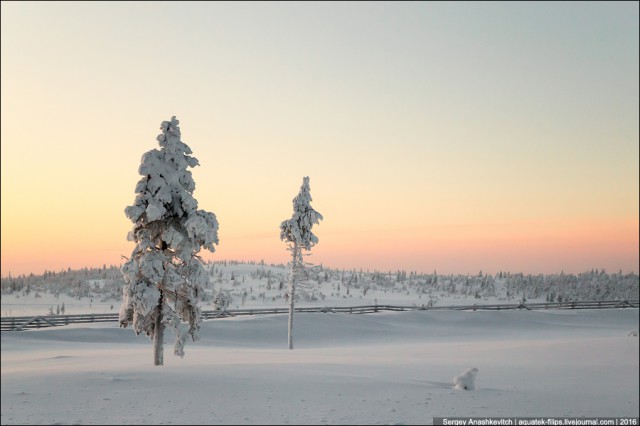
(29, 322)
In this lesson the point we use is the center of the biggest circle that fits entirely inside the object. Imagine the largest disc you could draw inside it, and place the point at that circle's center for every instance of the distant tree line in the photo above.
(105, 283)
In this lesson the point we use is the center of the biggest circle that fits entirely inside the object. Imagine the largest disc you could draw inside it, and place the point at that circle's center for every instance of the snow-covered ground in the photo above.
(14, 305)
(384, 368)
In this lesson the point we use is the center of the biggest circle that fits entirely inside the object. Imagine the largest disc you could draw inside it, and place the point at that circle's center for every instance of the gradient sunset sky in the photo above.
(455, 137)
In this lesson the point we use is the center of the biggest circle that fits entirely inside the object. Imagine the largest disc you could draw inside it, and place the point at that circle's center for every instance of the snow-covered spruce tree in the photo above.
(296, 231)
(165, 275)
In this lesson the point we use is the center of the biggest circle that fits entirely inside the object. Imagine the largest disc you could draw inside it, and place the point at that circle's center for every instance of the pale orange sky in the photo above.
(455, 137)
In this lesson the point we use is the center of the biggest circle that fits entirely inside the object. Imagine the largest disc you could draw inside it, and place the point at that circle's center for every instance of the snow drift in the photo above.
(466, 380)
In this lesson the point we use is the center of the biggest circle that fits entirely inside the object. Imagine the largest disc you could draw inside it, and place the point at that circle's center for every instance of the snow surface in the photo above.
(383, 368)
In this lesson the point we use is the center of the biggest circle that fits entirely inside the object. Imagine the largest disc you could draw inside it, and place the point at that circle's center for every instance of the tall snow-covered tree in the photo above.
(296, 231)
(165, 275)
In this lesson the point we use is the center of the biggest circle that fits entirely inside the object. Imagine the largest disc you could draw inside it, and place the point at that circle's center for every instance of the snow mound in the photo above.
(466, 380)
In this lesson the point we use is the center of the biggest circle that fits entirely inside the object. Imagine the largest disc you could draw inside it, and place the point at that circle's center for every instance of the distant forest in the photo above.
(233, 277)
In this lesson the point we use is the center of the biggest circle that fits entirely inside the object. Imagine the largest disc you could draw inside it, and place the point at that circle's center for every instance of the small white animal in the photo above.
(466, 380)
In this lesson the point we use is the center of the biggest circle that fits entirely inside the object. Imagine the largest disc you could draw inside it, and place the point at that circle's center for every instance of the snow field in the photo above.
(385, 368)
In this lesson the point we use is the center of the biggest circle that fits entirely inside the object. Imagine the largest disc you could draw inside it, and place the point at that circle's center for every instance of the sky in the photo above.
(447, 136)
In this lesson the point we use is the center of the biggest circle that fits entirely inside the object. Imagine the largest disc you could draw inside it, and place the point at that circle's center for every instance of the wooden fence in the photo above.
(29, 322)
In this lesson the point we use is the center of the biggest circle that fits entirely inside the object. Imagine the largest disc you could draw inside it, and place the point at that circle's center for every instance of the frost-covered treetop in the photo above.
(165, 194)
(298, 228)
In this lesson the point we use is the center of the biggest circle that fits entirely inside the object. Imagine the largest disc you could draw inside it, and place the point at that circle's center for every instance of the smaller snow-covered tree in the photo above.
(165, 276)
(296, 231)
(222, 300)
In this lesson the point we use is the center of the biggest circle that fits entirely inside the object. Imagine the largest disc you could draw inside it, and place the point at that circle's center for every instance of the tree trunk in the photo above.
(291, 294)
(158, 335)
(292, 291)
